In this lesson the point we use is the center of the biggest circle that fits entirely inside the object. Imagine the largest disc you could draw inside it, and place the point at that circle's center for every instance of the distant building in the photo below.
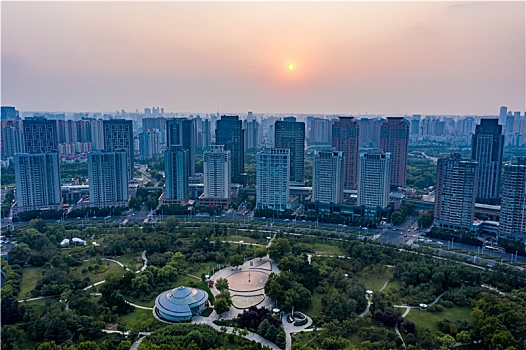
(373, 180)
(290, 134)
(272, 179)
(229, 133)
(10, 139)
(345, 138)
(216, 166)
(108, 178)
(327, 178)
(513, 207)
(37, 179)
(415, 124)
(149, 143)
(39, 135)
(394, 139)
(118, 136)
(9, 113)
(455, 193)
(487, 149)
(183, 132)
(320, 132)
(176, 174)
(251, 134)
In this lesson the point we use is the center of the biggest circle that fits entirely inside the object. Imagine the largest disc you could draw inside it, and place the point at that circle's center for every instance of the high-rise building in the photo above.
(108, 178)
(230, 133)
(415, 124)
(327, 177)
(290, 134)
(345, 138)
(9, 113)
(455, 192)
(216, 167)
(320, 132)
(183, 132)
(513, 204)
(369, 132)
(272, 179)
(502, 114)
(149, 143)
(486, 148)
(176, 173)
(37, 179)
(251, 134)
(10, 138)
(373, 180)
(40, 135)
(118, 136)
(394, 139)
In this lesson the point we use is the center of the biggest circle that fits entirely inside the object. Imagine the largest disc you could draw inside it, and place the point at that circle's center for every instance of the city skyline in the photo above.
(350, 58)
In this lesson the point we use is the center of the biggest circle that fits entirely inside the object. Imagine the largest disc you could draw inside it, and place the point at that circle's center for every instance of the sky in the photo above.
(397, 58)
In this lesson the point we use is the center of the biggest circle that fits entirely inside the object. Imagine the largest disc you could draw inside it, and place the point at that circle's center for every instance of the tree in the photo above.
(20, 254)
(260, 252)
(221, 305)
(426, 219)
(221, 284)
(236, 260)
(397, 217)
(279, 248)
(464, 337)
(447, 341)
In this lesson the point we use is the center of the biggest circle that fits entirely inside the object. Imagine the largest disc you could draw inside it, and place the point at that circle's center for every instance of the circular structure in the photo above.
(180, 304)
(291, 66)
(247, 281)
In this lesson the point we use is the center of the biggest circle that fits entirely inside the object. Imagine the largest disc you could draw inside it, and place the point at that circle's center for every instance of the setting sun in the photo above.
(291, 67)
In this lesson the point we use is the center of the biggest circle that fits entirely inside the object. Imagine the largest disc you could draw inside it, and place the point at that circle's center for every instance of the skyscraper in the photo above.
(10, 138)
(183, 132)
(327, 177)
(394, 139)
(149, 143)
(373, 180)
(176, 173)
(486, 148)
(320, 132)
(251, 134)
(455, 192)
(118, 136)
(345, 138)
(216, 167)
(272, 179)
(290, 134)
(37, 181)
(108, 178)
(513, 205)
(230, 133)
(40, 135)
(9, 113)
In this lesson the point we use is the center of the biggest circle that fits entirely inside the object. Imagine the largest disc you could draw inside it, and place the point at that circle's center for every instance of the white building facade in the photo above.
(272, 179)
(327, 177)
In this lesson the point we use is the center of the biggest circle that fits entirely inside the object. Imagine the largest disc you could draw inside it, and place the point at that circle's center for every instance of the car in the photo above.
(408, 230)
(405, 235)
(440, 243)
(401, 233)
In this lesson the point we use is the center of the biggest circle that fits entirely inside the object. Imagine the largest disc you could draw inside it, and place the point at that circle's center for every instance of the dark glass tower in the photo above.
(486, 148)
(290, 134)
(230, 133)
(183, 132)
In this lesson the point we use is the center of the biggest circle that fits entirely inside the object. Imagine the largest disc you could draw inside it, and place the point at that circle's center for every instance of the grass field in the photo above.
(96, 277)
(375, 277)
(139, 320)
(315, 309)
(130, 260)
(429, 319)
(30, 276)
(310, 338)
(237, 238)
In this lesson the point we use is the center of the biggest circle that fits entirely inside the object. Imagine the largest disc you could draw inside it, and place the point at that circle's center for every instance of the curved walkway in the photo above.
(290, 328)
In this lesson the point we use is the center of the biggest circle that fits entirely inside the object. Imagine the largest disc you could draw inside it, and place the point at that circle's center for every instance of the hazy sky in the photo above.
(350, 57)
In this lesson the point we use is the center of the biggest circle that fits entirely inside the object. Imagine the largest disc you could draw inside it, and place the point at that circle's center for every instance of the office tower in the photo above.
(149, 143)
(158, 123)
(327, 177)
(510, 123)
(9, 113)
(502, 114)
(205, 134)
(394, 139)
(108, 178)
(415, 124)
(513, 202)
(10, 138)
(320, 132)
(216, 168)
(183, 132)
(373, 180)
(176, 173)
(272, 179)
(455, 192)
(118, 136)
(486, 148)
(40, 135)
(290, 134)
(37, 181)
(251, 134)
(230, 133)
(345, 138)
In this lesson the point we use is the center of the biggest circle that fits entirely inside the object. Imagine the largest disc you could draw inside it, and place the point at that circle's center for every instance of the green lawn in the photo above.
(429, 319)
(139, 320)
(316, 307)
(327, 249)
(374, 277)
(30, 276)
(130, 260)
(96, 277)
(310, 338)
(237, 238)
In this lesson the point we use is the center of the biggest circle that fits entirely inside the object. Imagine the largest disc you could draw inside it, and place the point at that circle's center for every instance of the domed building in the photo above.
(180, 304)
